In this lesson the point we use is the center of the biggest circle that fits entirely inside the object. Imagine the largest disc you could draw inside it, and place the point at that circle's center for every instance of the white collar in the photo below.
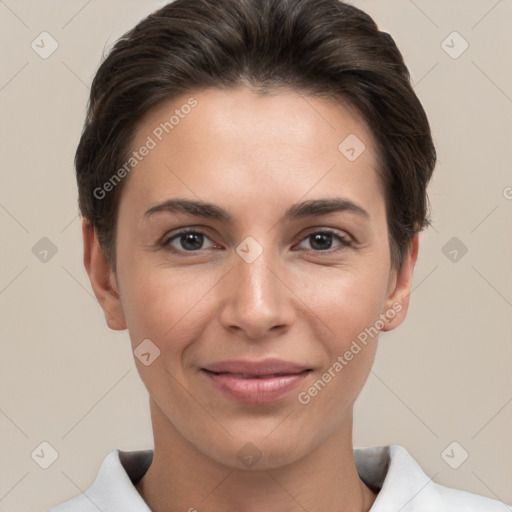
(391, 470)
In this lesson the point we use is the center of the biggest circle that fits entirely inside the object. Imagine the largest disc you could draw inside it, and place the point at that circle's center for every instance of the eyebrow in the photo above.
(314, 207)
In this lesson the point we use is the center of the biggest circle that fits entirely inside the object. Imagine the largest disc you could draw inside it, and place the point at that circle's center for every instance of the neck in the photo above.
(181, 478)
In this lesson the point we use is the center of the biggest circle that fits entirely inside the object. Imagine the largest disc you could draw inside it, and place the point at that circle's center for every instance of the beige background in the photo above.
(443, 376)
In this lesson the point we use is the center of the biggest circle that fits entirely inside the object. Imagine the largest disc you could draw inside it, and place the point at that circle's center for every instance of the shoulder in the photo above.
(456, 500)
(76, 504)
(113, 489)
(402, 485)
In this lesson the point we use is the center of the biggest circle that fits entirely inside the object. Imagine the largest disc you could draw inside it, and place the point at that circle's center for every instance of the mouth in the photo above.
(256, 382)
(254, 376)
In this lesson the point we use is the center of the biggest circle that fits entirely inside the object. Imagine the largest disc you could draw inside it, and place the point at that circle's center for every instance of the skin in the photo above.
(254, 155)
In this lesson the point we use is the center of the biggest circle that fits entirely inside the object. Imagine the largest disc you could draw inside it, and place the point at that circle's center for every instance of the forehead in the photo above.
(239, 145)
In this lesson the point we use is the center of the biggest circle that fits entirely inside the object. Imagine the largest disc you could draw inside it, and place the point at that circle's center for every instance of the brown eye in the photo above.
(325, 240)
(187, 241)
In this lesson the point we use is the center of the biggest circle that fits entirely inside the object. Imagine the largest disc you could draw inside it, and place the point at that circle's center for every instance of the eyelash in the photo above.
(344, 241)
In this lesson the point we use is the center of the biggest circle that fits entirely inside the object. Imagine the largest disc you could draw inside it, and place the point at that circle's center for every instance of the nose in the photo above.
(257, 299)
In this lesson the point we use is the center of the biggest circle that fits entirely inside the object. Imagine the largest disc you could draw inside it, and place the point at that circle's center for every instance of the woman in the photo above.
(252, 178)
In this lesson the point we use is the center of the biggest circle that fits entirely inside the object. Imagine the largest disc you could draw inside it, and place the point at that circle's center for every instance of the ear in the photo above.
(103, 279)
(399, 291)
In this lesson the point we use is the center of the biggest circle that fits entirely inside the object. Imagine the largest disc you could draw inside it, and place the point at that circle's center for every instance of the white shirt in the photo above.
(402, 485)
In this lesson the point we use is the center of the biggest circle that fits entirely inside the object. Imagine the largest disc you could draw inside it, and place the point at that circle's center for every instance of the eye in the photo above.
(324, 240)
(187, 241)
(194, 241)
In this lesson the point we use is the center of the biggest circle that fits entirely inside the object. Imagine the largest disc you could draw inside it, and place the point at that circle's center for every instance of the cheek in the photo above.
(350, 306)
(348, 301)
(167, 307)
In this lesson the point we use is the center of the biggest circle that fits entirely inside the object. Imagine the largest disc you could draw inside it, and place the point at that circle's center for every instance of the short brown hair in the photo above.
(317, 47)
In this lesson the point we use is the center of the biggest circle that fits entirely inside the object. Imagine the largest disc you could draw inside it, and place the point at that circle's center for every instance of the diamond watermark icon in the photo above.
(352, 147)
(44, 455)
(44, 45)
(146, 352)
(454, 45)
(454, 249)
(454, 455)
(249, 249)
(44, 250)
(249, 454)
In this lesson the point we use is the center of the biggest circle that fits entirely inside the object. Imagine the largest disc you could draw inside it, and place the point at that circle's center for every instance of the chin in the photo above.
(257, 453)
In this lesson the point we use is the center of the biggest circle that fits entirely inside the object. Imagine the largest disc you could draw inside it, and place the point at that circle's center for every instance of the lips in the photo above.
(256, 382)
(265, 368)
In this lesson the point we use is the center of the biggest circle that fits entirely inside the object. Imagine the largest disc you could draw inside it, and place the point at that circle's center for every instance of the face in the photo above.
(252, 251)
